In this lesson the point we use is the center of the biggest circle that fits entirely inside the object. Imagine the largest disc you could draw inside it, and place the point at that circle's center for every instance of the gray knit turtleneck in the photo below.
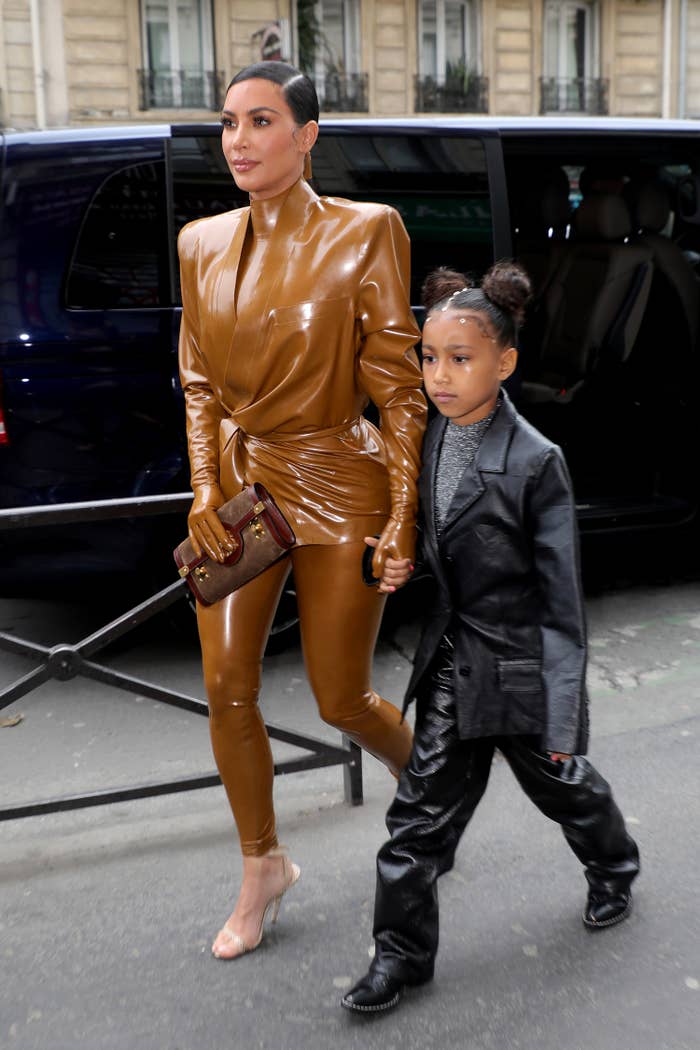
(460, 445)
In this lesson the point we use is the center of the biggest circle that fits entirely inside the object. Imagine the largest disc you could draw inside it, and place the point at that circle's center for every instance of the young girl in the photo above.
(502, 659)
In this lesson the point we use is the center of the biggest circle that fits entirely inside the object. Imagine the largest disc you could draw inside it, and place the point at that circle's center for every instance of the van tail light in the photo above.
(4, 439)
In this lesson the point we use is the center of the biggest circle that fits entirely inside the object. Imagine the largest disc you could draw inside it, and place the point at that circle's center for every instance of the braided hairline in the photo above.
(505, 325)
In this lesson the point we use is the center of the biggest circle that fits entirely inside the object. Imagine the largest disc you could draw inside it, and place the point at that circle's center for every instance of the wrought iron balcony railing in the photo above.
(180, 89)
(463, 95)
(343, 92)
(574, 95)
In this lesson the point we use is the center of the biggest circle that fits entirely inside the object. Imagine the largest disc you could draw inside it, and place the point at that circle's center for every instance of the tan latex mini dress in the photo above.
(276, 381)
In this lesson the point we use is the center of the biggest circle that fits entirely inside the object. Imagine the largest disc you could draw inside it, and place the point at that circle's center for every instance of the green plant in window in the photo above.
(309, 34)
(459, 77)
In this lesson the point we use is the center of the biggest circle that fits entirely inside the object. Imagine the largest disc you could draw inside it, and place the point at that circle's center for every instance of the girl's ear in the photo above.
(509, 359)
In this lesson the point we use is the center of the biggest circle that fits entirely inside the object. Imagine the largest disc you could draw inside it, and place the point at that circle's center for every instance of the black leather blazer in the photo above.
(508, 587)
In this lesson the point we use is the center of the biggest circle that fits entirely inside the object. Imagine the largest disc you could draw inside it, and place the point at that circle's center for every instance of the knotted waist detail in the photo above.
(282, 437)
(232, 430)
(331, 484)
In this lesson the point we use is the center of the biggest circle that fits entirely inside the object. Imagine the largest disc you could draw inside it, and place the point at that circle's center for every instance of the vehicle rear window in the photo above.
(438, 184)
(120, 257)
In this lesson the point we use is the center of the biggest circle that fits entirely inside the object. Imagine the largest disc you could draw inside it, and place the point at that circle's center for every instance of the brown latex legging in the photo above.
(339, 618)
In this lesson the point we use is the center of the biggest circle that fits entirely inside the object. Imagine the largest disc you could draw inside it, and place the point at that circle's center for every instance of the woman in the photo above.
(295, 312)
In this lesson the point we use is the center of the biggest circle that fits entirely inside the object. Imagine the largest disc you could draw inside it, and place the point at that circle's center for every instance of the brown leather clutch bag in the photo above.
(261, 535)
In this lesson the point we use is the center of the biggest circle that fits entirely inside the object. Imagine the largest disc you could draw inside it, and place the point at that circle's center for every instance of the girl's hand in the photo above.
(396, 571)
(558, 756)
(206, 532)
(397, 541)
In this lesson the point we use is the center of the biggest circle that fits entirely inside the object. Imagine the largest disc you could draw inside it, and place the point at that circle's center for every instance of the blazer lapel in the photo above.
(226, 287)
(470, 487)
(490, 458)
(431, 450)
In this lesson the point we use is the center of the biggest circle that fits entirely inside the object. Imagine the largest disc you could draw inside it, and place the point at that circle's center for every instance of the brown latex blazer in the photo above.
(274, 391)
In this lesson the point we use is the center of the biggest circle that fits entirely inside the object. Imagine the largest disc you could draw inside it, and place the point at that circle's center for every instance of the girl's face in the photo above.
(263, 146)
(463, 365)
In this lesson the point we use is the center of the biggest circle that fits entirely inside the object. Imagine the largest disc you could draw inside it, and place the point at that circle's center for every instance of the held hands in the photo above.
(206, 532)
(395, 573)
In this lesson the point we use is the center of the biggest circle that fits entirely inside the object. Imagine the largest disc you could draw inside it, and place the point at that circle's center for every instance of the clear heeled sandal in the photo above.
(239, 945)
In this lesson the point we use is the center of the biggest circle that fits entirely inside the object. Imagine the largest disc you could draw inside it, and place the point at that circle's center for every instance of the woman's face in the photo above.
(263, 146)
(463, 365)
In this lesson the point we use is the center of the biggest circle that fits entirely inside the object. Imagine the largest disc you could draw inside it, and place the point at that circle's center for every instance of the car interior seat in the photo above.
(542, 214)
(595, 300)
(675, 291)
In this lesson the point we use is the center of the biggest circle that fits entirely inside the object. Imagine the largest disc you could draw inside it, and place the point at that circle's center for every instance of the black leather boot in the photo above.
(606, 909)
(375, 992)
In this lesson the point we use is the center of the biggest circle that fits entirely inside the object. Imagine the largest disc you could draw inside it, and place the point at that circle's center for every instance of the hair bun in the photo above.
(440, 284)
(508, 286)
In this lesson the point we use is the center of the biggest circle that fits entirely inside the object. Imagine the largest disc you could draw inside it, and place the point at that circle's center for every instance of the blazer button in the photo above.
(465, 671)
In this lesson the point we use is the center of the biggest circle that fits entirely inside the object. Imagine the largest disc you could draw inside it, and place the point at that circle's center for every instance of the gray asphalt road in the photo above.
(107, 914)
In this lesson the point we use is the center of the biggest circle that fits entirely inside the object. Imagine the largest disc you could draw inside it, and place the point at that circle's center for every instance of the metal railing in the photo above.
(459, 95)
(587, 95)
(63, 662)
(180, 89)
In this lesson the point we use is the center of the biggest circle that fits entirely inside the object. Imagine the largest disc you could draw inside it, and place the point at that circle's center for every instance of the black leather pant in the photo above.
(437, 794)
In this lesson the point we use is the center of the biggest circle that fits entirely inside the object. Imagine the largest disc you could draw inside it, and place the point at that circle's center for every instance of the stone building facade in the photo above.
(73, 61)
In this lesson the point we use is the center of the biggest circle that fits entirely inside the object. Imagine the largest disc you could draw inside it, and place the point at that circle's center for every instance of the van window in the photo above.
(202, 184)
(120, 258)
(609, 348)
(438, 184)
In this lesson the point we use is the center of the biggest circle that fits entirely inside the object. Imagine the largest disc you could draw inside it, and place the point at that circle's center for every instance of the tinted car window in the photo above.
(438, 184)
(609, 350)
(120, 258)
(202, 183)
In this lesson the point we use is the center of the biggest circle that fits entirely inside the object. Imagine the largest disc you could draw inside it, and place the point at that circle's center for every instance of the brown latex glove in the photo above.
(397, 571)
(206, 532)
(398, 540)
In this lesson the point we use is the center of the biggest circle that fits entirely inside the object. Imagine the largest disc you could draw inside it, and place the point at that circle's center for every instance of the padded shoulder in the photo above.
(214, 230)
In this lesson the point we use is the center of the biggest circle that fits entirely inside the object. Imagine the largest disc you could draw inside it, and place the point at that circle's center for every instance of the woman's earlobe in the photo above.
(309, 135)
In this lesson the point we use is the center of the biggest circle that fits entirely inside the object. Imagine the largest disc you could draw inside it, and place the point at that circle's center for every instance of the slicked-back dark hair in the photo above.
(298, 90)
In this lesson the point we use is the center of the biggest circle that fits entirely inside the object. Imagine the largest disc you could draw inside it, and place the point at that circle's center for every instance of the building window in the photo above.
(571, 63)
(330, 52)
(178, 54)
(449, 77)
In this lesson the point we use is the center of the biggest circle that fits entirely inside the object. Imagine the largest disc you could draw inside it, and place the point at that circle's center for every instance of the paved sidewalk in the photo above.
(108, 914)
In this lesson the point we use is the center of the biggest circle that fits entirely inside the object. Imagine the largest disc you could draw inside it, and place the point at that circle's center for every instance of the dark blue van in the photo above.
(604, 214)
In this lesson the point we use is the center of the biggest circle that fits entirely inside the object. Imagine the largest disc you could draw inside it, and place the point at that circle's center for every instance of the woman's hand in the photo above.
(206, 532)
(397, 541)
(396, 572)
